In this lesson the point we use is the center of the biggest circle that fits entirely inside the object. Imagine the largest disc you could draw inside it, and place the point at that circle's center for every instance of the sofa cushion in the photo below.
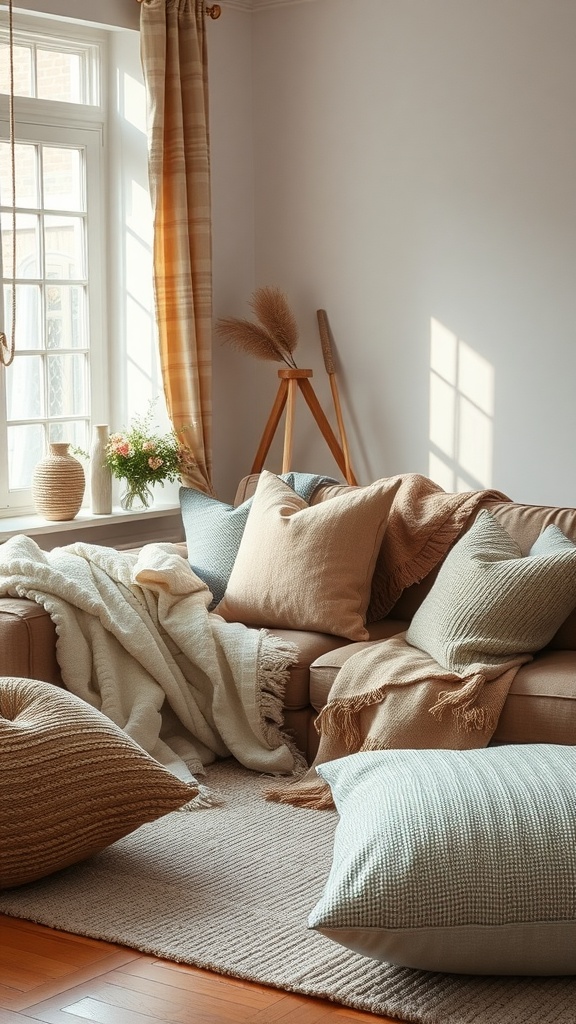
(309, 567)
(541, 703)
(455, 860)
(72, 781)
(489, 604)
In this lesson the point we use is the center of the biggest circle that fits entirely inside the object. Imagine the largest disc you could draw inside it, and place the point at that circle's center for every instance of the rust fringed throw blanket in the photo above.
(424, 521)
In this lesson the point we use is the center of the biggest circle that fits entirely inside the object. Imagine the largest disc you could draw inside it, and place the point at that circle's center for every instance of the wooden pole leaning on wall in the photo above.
(324, 332)
(291, 381)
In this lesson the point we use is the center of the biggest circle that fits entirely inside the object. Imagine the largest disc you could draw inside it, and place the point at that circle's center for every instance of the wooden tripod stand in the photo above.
(290, 382)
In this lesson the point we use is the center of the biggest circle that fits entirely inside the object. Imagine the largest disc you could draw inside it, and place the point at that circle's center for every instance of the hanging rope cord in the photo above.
(8, 347)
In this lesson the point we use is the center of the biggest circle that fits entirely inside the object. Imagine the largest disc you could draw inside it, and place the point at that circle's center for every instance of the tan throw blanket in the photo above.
(390, 694)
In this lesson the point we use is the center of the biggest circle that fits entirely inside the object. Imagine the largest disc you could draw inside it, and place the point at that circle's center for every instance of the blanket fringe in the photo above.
(460, 702)
(315, 795)
(275, 660)
(340, 716)
(205, 797)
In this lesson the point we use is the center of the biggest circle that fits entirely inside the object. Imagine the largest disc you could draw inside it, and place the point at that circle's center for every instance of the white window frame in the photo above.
(80, 126)
(126, 374)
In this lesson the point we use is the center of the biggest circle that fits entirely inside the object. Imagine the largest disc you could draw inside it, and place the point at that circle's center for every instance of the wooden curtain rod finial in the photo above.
(214, 11)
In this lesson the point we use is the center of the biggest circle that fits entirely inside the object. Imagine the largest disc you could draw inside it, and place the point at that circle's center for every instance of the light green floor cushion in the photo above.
(455, 860)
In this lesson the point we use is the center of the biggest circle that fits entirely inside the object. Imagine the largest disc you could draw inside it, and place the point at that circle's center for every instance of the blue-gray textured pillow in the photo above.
(461, 861)
(214, 529)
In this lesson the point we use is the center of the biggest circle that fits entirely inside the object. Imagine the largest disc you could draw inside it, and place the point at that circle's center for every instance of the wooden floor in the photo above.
(52, 976)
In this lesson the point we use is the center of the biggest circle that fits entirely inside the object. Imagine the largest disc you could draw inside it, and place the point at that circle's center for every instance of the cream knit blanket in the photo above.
(136, 641)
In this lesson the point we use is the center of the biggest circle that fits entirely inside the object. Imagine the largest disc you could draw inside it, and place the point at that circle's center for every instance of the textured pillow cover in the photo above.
(455, 860)
(214, 530)
(72, 782)
(307, 567)
(488, 603)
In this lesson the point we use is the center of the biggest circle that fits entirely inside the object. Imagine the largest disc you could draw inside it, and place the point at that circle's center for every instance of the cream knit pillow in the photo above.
(307, 567)
(488, 603)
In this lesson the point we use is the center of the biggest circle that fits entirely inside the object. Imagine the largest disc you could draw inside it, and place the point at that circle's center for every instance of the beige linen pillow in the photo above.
(303, 566)
(72, 781)
(488, 603)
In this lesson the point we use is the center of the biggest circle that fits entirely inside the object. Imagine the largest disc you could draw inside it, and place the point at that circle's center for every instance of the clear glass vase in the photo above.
(136, 497)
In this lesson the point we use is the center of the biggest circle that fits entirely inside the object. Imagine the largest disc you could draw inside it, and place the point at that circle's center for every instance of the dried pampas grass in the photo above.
(276, 335)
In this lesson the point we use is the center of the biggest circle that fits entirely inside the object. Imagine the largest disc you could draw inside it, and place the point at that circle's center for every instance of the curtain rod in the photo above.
(214, 11)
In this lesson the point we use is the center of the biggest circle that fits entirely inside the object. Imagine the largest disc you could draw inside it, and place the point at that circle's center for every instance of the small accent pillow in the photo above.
(213, 533)
(455, 860)
(489, 604)
(72, 781)
(214, 530)
(307, 567)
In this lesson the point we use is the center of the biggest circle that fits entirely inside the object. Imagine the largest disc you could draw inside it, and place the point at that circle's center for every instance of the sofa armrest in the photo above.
(27, 641)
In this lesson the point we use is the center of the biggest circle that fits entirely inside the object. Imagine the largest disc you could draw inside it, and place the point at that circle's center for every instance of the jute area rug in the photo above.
(229, 888)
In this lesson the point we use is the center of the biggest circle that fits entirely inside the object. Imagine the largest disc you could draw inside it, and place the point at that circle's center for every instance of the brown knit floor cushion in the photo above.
(71, 782)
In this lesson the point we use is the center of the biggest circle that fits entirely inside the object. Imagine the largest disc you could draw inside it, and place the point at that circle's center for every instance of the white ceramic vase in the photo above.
(100, 475)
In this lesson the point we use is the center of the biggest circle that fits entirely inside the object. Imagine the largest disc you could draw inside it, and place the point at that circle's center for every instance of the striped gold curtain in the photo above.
(175, 65)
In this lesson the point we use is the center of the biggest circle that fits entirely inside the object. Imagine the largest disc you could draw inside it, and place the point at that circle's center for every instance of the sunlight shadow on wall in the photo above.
(461, 413)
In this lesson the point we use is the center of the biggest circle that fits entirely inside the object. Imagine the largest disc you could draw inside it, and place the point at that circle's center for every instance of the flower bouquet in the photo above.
(143, 458)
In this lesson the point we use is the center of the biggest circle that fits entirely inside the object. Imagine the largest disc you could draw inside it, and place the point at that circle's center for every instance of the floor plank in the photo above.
(54, 977)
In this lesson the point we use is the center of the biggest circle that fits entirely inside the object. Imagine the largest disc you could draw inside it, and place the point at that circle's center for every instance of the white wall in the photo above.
(415, 174)
(235, 424)
(410, 166)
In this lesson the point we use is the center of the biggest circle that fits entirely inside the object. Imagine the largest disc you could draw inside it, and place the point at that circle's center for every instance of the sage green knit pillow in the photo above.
(455, 860)
(489, 603)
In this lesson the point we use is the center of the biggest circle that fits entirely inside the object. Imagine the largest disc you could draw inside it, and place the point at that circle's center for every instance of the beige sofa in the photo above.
(541, 705)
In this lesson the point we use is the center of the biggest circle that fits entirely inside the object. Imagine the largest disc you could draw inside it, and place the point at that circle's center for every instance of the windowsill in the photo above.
(113, 528)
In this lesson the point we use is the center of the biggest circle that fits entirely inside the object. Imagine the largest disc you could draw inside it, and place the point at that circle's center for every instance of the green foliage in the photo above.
(142, 456)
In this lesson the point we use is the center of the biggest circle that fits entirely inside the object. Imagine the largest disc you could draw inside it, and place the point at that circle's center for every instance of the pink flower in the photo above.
(148, 446)
(155, 462)
(123, 448)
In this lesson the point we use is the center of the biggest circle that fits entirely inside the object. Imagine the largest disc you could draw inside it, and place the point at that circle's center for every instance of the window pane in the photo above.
(29, 333)
(65, 316)
(22, 69)
(62, 179)
(64, 247)
(73, 431)
(67, 388)
(27, 251)
(25, 449)
(26, 176)
(24, 387)
(58, 76)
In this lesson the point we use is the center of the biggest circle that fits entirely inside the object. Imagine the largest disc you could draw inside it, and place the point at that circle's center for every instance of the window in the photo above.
(48, 391)
(86, 345)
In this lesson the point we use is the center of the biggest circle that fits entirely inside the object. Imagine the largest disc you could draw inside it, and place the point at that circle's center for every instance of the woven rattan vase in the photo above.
(58, 484)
